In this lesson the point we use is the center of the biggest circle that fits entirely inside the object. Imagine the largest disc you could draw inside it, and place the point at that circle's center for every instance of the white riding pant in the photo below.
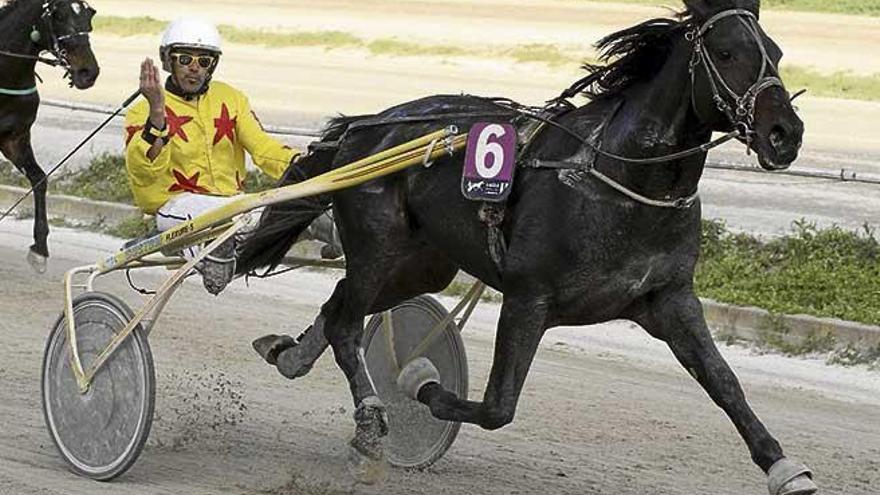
(184, 207)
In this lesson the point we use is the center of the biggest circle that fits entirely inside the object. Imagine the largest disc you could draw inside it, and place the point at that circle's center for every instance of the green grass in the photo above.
(131, 228)
(10, 176)
(105, 179)
(396, 47)
(327, 39)
(853, 7)
(127, 26)
(852, 355)
(257, 180)
(544, 53)
(822, 272)
(837, 85)
(856, 7)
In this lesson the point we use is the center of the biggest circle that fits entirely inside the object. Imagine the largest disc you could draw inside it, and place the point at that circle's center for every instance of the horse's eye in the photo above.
(725, 55)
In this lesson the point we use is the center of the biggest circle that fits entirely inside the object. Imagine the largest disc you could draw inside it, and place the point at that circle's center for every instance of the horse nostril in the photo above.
(87, 75)
(777, 137)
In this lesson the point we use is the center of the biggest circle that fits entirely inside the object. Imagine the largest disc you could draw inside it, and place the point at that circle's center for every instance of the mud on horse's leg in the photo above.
(344, 315)
(19, 151)
(520, 329)
(676, 317)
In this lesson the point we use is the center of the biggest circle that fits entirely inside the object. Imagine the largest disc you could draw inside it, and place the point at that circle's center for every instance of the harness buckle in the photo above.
(684, 203)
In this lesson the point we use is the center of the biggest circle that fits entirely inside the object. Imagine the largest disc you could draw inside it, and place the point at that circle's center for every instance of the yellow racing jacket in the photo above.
(204, 150)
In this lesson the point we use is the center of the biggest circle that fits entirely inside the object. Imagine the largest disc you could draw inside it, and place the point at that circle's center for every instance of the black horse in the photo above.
(29, 28)
(594, 229)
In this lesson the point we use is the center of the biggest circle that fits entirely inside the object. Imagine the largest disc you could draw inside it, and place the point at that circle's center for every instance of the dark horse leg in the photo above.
(520, 328)
(675, 316)
(19, 151)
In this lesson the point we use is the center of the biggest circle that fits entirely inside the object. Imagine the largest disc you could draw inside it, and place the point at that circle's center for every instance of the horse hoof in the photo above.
(37, 261)
(787, 477)
(366, 457)
(270, 346)
(418, 373)
(366, 469)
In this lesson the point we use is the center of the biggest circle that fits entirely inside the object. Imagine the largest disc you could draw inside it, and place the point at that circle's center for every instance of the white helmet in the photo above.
(189, 32)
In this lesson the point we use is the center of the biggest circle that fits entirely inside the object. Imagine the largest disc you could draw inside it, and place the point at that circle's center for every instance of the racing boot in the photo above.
(294, 358)
(218, 268)
(323, 229)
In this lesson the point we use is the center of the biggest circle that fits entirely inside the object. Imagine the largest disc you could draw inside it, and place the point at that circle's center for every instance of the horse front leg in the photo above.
(520, 328)
(343, 328)
(676, 317)
(19, 151)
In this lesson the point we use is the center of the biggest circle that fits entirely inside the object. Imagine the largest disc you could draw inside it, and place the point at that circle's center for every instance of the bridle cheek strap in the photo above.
(739, 109)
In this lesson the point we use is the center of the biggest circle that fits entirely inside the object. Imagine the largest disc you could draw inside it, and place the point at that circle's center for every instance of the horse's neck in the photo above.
(16, 22)
(656, 119)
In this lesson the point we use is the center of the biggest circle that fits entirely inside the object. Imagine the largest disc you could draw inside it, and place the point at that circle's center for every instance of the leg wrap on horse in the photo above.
(294, 358)
(366, 456)
(415, 375)
(787, 477)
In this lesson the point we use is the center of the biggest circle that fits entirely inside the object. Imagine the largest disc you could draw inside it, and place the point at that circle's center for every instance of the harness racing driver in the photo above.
(186, 141)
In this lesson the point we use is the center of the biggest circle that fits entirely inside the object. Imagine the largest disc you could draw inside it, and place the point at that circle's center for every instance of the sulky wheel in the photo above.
(100, 433)
(415, 439)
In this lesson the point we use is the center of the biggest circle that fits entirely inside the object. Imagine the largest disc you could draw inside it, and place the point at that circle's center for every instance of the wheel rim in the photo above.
(100, 431)
(415, 438)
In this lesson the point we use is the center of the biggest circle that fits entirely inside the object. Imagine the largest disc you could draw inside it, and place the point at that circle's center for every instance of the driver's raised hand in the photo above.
(152, 89)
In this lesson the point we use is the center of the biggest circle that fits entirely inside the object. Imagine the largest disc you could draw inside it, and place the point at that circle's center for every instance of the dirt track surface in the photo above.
(606, 410)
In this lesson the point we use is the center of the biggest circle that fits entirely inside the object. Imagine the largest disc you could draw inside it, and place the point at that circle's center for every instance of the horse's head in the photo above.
(63, 29)
(736, 82)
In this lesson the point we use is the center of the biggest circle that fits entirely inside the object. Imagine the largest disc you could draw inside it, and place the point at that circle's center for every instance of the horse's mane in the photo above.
(634, 55)
(7, 7)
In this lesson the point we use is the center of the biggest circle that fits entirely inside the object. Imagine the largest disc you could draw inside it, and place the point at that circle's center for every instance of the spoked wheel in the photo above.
(100, 433)
(415, 439)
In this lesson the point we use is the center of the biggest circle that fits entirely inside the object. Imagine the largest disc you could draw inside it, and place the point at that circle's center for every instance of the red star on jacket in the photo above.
(175, 124)
(188, 184)
(132, 131)
(225, 126)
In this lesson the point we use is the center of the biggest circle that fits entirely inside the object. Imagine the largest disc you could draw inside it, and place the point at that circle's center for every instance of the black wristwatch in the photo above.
(151, 133)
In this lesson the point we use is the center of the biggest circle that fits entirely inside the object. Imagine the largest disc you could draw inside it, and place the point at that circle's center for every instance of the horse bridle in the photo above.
(82, 9)
(739, 109)
(741, 113)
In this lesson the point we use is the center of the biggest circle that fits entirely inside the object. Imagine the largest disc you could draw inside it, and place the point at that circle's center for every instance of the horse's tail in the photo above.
(281, 225)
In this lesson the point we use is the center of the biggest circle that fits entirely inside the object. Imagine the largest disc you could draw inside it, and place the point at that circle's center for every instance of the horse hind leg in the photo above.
(19, 151)
(412, 276)
(676, 317)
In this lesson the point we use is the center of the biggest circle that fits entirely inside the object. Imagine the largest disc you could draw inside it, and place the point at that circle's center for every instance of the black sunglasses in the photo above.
(185, 60)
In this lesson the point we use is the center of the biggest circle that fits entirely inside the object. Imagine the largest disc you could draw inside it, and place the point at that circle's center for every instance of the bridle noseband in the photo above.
(739, 109)
(45, 27)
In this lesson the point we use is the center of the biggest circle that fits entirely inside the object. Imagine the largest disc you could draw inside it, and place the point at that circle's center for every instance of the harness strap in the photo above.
(374, 122)
(18, 92)
(492, 214)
